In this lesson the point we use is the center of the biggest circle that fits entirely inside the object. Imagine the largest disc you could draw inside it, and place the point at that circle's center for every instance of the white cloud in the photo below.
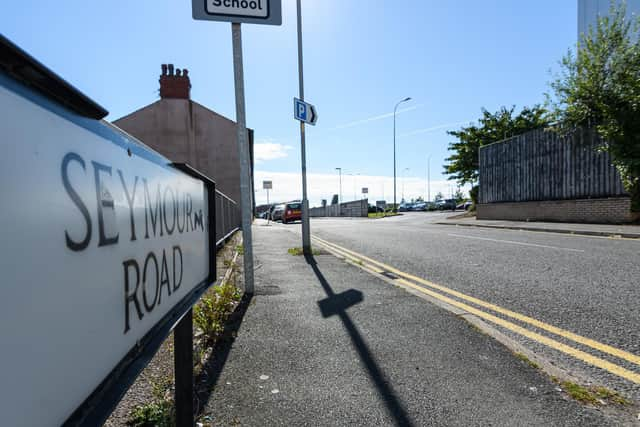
(288, 186)
(266, 149)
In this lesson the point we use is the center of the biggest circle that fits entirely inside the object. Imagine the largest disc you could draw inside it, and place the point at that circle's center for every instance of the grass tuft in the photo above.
(528, 361)
(299, 252)
(593, 395)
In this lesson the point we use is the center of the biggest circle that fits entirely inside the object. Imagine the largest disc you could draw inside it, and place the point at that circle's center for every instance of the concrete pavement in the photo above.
(325, 343)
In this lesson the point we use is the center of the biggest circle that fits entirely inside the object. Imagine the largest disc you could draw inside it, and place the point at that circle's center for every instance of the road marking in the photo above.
(514, 242)
(604, 348)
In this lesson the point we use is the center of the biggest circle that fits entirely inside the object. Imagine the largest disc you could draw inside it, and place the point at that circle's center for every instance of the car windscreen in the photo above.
(294, 206)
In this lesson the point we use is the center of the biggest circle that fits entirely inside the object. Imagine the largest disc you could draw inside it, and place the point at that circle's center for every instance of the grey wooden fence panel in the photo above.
(542, 165)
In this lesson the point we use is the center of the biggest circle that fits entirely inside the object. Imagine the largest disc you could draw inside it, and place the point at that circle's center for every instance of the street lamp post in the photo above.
(395, 206)
(404, 178)
(429, 179)
(354, 175)
(340, 194)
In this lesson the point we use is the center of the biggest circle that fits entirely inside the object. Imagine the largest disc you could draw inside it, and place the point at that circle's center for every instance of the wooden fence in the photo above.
(542, 165)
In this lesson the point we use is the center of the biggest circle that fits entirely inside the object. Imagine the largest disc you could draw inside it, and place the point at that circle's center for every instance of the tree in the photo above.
(599, 88)
(439, 197)
(492, 127)
(459, 196)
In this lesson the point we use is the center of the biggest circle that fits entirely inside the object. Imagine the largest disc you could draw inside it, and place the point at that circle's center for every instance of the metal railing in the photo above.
(227, 218)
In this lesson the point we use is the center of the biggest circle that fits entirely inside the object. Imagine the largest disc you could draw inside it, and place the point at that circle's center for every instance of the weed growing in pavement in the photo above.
(299, 252)
(159, 412)
(214, 308)
(240, 249)
(528, 361)
(593, 395)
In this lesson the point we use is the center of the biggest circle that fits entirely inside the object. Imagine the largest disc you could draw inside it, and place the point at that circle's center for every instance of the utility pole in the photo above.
(340, 193)
(429, 179)
(306, 232)
(395, 206)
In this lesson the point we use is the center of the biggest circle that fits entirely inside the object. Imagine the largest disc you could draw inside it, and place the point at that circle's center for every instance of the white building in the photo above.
(589, 10)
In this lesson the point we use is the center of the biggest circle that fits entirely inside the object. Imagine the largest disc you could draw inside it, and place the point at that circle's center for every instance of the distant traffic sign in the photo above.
(304, 112)
(267, 12)
(267, 185)
(365, 190)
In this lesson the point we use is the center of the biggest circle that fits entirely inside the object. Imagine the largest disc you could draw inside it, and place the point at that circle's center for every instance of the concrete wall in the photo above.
(613, 210)
(185, 131)
(357, 208)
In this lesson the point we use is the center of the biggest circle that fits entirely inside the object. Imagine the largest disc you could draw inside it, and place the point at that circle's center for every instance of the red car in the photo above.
(292, 212)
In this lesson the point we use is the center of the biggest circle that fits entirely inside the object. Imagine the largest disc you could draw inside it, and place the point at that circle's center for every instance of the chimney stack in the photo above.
(174, 85)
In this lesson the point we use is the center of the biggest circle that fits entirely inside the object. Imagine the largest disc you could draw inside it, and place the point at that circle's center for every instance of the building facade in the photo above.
(590, 10)
(186, 131)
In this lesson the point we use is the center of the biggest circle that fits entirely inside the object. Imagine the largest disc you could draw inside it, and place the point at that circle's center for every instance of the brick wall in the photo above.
(613, 210)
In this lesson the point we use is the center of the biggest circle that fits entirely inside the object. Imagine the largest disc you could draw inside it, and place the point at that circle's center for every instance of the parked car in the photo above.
(446, 204)
(419, 206)
(465, 205)
(277, 212)
(292, 212)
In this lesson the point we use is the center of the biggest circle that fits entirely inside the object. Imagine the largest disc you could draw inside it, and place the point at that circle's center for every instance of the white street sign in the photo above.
(102, 239)
(267, 185)
(268, 12)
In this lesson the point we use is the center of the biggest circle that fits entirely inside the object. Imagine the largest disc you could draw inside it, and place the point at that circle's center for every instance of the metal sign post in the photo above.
(306, 234)
(267, 12)
(267, 185)
(243, 150)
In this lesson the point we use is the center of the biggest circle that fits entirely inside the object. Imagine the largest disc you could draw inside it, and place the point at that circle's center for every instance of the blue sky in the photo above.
(361, 57)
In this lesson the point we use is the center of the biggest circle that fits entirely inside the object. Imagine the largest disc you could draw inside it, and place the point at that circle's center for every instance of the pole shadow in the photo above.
(336, 304)
(208, 377)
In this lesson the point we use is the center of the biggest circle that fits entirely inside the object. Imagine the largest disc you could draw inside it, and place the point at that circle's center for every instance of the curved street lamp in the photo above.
(395, 206)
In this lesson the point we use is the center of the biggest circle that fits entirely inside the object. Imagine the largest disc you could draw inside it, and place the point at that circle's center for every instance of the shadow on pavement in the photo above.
(336, 304)
(206, 381)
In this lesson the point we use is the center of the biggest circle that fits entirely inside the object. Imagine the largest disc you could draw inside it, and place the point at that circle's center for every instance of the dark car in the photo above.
(277, 212)
(447, 204)
(292, 212)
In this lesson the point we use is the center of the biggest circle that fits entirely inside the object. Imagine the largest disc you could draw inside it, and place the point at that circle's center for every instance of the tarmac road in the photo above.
(583, 285)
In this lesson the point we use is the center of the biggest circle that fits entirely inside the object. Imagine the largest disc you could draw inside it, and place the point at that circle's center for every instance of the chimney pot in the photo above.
(177, 86)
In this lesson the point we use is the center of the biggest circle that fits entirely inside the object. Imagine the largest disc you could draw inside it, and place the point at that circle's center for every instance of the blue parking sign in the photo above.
(304, 111)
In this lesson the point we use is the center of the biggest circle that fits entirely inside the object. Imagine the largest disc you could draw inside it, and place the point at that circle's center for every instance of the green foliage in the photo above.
(438, 197)
(492, 127)
(153, 414)
(157, 413)
(599, 88)
(473, 194)
(214, 308)
(240, 249)
(298, 251)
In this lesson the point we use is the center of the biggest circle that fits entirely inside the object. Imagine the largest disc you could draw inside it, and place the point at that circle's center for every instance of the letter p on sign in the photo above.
(302, 111)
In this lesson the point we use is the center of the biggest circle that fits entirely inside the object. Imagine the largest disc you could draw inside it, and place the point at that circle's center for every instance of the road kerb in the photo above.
(587, 233)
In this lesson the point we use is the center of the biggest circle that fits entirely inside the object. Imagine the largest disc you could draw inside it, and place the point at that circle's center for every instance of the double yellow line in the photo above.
(429, 288)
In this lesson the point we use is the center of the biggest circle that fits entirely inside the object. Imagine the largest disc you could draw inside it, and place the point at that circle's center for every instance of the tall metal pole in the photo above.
(243, 152)
(429, 178)
(268, 208)
(306, 233)
(340, 177)
(395, 206)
